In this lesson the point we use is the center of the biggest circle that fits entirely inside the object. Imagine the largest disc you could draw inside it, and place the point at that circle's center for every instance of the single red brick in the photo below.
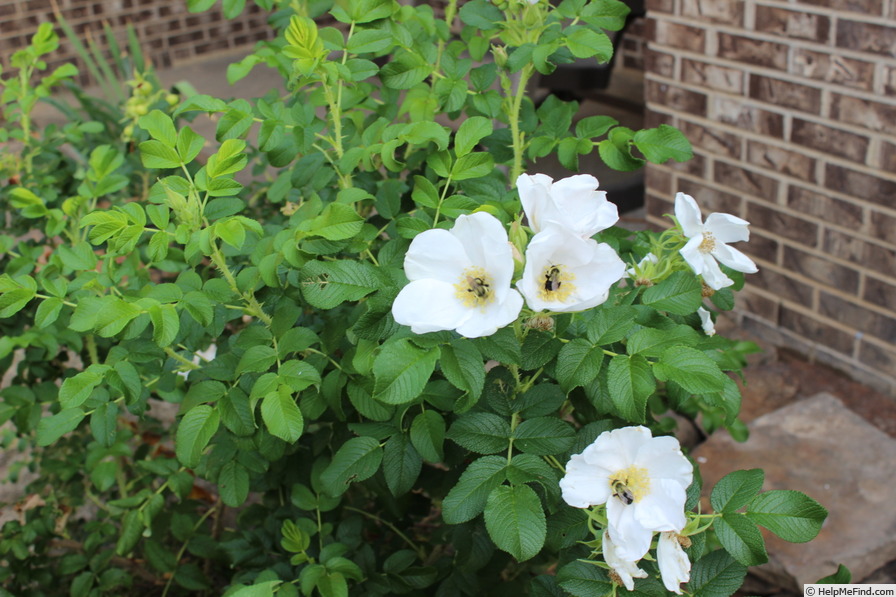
(676, 98)
(866, 37)
(873, 188)
(859, 317)
(782, 285)
(880, 292)
(793, 23)
(774, 221)
(830, 140)
(746, 181)
(779, 159)
(843, 213)
(812, 328)
(833, 68)
(713, 76)
(785, 94)
(746, 116)
(877, 116)
(821, 269)
(727, 12)
(753, 52)
(869, 256)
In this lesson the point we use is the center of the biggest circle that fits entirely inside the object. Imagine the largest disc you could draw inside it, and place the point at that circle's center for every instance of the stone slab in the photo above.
(819, 447)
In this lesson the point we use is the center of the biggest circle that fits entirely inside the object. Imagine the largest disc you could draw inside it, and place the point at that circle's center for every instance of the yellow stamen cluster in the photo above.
(634, 478)
(556, 284)
(708, 244)
(474, 289)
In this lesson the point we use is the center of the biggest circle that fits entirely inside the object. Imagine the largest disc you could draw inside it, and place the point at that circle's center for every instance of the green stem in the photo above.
(253, 306)
(419, 550)
(517, 136)
(435, 219)
(183, 549)
(180, 358)
(90, 340)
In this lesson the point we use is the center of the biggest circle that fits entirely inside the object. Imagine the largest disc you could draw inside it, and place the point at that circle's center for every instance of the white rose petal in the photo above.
(675, 567)
(709, 328)
(565, 272)
(459, 279)
(627, 571)
(573, 203)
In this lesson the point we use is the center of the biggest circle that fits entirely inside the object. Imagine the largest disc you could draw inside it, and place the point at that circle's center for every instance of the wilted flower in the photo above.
(459, 279)
(573, 203)
(675, 567)
(642, 480)
(709, 328)
(708, 240)
(565, 272)
(626, 571)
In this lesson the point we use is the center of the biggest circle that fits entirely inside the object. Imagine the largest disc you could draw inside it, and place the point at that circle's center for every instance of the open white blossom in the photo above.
(459, 279)
(573, 203)
(565, 272)
(626, 571)
(642, 480)
(708, 242)
(709, 328)
(675, 567)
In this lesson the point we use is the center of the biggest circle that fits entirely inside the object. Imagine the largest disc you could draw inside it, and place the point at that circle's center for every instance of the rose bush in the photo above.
(343, 348)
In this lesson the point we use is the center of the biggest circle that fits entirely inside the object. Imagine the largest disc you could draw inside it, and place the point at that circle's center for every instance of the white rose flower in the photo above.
(708, 240)
(565, 272)
(675, 567)
(573, 203)
(709, 328)
(626, 571)
(642, 480)
(459, 279)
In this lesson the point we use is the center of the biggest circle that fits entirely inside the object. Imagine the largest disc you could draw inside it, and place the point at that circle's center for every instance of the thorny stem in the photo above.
(517, 137)
(253, 306)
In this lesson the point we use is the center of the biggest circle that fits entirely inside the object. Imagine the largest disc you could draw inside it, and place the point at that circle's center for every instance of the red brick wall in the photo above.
(168, 32)
(791, 108)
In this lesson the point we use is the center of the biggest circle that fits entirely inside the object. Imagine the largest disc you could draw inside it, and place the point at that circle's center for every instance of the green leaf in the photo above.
(428, 435)
(159, 126)
(421, 133)
(405, 72)
(481, 14)
(131, 530)
(188, 146)
(155, 154)
(401, 371)
(467, 499)
(462, 365)
(257, 359)
(652, 342)
(77, 389)
(473, 130)
(692, 369)
(104, 423)
(15, 294)
(616, 153)
(736, 489)
(663, 143)
(425, 193)
(515, 521)
(358, 459)
(594, 126)
(281, 415)
(611, 324)
(50, 429)
(584, 42)
(630, 381)
(233, 484)
(585, 579)
(842, 577)
(369, 41)
(741, 538)
(578, 363)
(47, 312)
(326, 284)
(401, 464)
(194, 432)
(791, 515)
(543, 399)
(716, 574)
(473, 165)
(165, 322)
(538, 349)
(483, 433)
(543, 436)
(337, 222)
(199, 306)
(681, 293)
